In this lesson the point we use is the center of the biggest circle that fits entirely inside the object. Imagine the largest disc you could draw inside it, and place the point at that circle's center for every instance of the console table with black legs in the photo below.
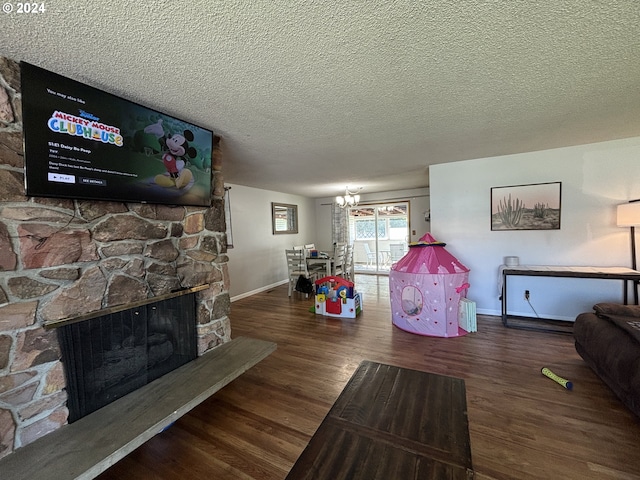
(623, 274)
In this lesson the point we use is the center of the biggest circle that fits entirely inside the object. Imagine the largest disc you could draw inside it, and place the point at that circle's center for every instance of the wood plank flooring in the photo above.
(522, 425)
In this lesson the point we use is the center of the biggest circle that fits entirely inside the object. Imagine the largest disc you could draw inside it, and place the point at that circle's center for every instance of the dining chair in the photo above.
(396, 252)
(339, 254)
(313, 268)
(349, 265)
(371, 257)
(296, 266)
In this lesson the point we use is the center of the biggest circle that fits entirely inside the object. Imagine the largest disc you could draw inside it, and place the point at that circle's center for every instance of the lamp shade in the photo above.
(350, 199)
(629, 214)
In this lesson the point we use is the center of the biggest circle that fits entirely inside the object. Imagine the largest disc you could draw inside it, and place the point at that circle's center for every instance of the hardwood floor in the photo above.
(522, 425)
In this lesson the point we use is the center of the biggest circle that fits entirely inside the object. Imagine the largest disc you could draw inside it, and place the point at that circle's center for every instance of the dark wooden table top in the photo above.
(391, 423)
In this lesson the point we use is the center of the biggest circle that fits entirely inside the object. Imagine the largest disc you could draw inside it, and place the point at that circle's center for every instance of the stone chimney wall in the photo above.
(61, 258)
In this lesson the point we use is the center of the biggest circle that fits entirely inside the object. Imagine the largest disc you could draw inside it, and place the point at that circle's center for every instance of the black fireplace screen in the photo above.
(109, 356)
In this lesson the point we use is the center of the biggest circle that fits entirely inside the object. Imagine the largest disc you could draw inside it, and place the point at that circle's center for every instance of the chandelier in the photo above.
(350, 199)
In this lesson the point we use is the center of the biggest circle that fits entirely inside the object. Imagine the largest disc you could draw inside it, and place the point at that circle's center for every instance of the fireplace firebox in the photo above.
(108, 356)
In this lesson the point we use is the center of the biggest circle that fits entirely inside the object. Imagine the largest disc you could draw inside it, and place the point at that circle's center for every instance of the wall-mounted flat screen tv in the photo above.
(81, 142)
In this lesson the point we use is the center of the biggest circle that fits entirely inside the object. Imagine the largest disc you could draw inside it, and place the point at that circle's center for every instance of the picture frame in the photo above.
(535, 206)
(284, 218)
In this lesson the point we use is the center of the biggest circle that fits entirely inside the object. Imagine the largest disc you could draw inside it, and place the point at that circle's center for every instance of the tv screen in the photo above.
(82, 142)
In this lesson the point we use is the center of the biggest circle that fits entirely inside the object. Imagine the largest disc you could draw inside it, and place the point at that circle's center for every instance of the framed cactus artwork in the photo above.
(526, 207)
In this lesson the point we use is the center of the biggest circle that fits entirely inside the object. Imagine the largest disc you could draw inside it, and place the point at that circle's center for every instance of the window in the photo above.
(365, 229)
(375, 230)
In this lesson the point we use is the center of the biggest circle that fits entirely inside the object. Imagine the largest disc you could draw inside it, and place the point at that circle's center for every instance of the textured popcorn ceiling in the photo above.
(311, 96)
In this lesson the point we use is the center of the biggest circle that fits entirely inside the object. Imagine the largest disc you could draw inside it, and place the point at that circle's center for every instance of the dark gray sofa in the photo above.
(608, 339)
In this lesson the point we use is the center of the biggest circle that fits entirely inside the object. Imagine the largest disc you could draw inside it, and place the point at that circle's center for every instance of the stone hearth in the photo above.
(62, 258)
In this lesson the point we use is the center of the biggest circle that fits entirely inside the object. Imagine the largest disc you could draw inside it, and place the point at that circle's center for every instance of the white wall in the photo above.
(595, 178)
(257, 261)
(418, 199)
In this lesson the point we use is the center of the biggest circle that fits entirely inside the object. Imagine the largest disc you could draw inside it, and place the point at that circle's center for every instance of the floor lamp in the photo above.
(629, 216)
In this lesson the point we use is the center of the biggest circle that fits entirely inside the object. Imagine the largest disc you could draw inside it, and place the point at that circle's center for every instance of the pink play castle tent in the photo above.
(425, 287)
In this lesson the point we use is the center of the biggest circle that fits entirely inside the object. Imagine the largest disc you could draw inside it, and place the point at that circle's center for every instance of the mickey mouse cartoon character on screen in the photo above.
(176, 153)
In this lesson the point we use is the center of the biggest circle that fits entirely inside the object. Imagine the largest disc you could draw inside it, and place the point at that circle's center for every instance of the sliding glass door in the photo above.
(379, 234)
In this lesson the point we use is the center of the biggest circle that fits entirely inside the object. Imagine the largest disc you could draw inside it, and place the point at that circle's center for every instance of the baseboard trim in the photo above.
(498, 313)
(258, 290)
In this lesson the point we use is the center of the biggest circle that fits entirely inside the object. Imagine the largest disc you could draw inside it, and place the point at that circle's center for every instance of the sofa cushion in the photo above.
(617, 309)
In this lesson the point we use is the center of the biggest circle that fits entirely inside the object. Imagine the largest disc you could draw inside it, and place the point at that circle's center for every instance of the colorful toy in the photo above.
(336, 297)
(562, 381)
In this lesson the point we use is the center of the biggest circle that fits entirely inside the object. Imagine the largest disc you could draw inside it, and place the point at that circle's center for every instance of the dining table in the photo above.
(323, 258)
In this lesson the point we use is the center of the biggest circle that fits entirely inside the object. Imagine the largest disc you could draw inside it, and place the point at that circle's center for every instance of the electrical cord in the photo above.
(534, 310)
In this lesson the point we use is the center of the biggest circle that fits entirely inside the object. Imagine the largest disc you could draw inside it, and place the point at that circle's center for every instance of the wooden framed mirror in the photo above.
(284, 218)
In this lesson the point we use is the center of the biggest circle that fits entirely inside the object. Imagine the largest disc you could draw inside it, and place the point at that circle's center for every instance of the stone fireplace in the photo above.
(62, 259)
